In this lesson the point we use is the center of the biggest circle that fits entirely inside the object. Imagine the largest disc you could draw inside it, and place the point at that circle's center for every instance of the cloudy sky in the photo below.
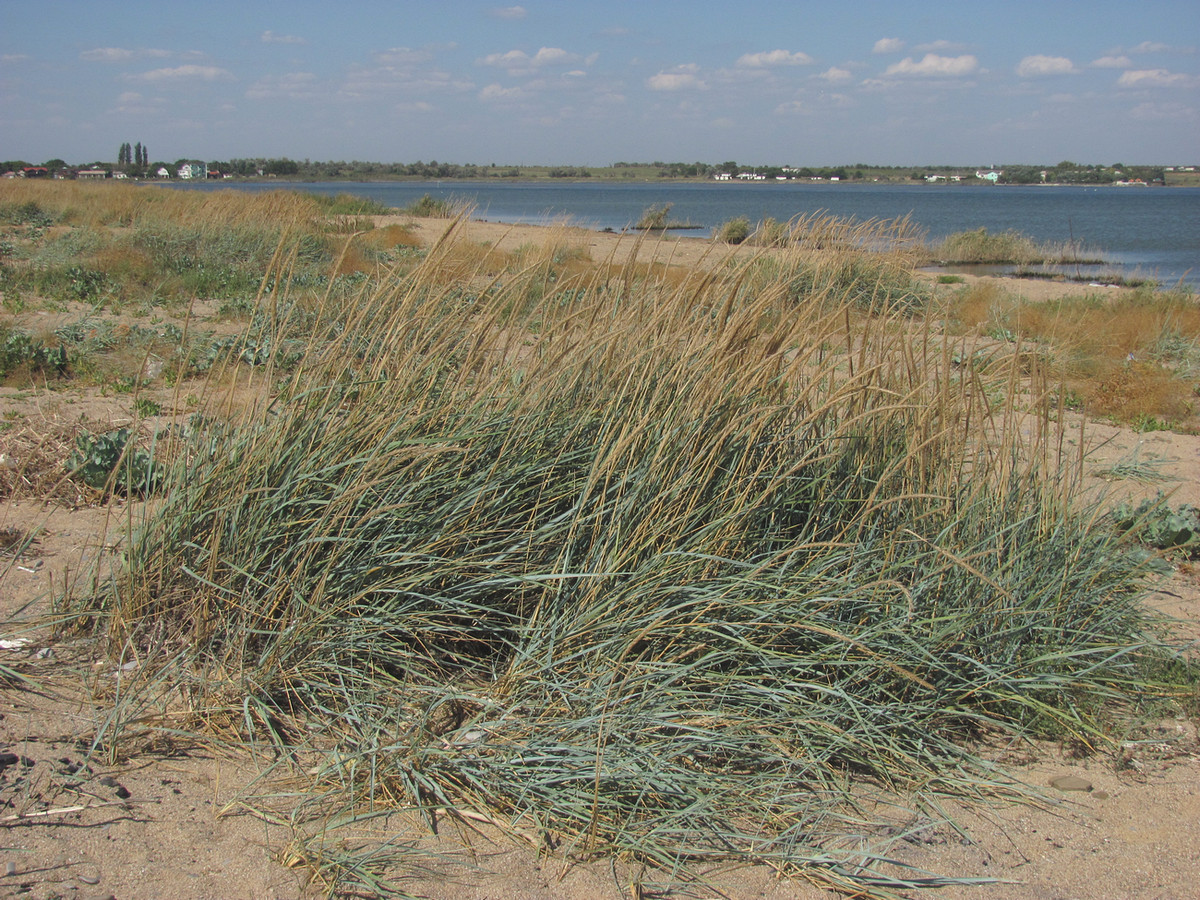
(569, 82)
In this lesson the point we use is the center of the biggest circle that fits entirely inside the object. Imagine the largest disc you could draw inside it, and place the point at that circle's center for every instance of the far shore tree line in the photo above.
(133, 161)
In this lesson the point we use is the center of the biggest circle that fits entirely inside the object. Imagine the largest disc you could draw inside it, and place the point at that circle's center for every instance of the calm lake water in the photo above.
(1147, 231)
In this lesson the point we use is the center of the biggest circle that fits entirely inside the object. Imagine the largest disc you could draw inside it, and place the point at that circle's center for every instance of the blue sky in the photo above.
(591, 83)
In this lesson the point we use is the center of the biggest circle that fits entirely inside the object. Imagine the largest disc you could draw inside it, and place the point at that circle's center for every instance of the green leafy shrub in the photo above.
(18, 349)
(28, 213)
(87, 284)
(1157, 525)
(108, 462)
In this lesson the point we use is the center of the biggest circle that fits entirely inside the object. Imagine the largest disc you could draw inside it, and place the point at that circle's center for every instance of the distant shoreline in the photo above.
(607, 182)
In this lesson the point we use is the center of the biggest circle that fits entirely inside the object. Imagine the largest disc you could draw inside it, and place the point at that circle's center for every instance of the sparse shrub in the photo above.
(430, 207)
(982, 246)
(771, 233)
(869, 281)
(734, 231)
(351, 205)
(1004, 248)
(654, 218)
(29, 212)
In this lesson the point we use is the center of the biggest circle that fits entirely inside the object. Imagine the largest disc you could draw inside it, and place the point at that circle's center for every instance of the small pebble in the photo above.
(89, 879)
(10, 868)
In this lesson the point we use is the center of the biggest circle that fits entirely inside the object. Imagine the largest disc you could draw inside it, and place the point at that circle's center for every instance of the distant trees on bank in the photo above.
(133, 161)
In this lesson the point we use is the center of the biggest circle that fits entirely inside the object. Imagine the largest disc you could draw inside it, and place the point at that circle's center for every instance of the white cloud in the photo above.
(510, 12)
(518, 62)
(270, 37)
(1139, 78)
(505, 60)
(1038, 66)
(934, 66)
(401, 70)
(132, 103)
(1162, 112)
(107, 54)
(1150, 47)
(120, 54)
(550, 56)
(387, 80)
(684, 78)
(497, 93)
(1112, 62)
(179, 73)
(888, 45)
(292, 86)
(833, 74)
(935, 46)
(402, 56)
(775, 58)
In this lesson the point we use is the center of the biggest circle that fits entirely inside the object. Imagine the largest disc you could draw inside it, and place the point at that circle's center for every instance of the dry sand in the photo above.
(165, 823)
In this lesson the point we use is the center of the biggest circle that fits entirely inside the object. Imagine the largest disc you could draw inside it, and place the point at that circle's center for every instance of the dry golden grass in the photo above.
(89, 204)
(1131, 356)
(389, 237)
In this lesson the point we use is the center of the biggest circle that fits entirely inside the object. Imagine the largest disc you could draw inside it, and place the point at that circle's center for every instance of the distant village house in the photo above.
(193, 170)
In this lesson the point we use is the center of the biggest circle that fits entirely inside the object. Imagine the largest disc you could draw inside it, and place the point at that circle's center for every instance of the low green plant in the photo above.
(28, 213)
(19, 350)
(1144, 423)
(1158, 525)
(109, 462)
(147, 407)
